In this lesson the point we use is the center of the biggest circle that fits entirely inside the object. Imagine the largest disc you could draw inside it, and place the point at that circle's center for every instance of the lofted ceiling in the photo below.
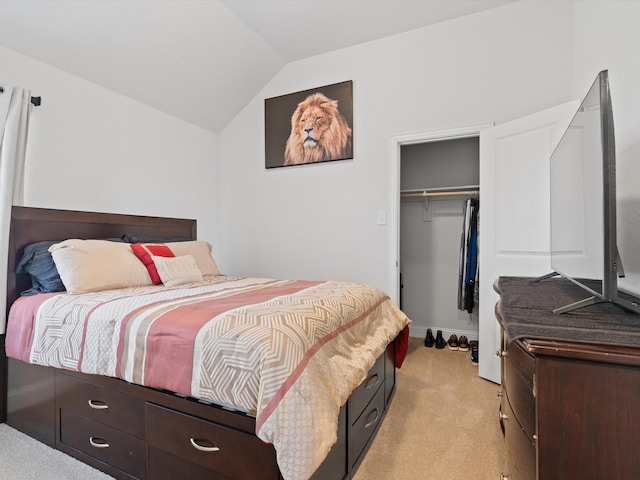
(203, 61)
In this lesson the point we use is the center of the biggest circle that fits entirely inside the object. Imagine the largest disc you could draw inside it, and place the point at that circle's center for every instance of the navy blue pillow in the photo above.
(38, 262)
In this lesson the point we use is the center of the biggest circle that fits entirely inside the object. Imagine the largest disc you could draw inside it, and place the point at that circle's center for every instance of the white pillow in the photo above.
(177, 270)
(94, 265)
(200, 250)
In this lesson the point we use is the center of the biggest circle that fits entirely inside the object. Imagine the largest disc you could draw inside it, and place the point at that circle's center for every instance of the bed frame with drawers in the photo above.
(135, 432)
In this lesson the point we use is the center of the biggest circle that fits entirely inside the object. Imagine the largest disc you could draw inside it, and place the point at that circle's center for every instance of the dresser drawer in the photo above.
(365, 425)
(362, 395)
(519, 385)
(502, 409)
(122, 451)
(503, 348)
(107, 406)
(216, 448)
(521, 452)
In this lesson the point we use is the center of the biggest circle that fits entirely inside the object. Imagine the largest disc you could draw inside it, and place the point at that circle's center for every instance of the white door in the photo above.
(514, 212)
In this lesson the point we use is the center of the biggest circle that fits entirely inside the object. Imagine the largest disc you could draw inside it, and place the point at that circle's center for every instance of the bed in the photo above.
(319, 402)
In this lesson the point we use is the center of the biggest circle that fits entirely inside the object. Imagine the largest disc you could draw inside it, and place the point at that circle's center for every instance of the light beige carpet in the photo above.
(443, 423)
(23, 458)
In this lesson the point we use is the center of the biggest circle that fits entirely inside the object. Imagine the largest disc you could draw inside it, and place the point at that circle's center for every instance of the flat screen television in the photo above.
(583, 203)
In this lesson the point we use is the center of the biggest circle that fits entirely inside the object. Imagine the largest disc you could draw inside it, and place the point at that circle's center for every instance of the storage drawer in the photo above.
(164, 466)
(521, 452)
(519, 385)
(365, 425)
(389, 371)
(106, 444)
(110, 407)
(335, 465)
(214, 447)
(363, 394)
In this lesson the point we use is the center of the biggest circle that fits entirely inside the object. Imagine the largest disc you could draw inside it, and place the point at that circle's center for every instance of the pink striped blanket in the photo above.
(288, 352)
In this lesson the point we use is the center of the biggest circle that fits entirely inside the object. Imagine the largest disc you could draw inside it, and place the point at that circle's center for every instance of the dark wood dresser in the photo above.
(570, 406)
(3, 381)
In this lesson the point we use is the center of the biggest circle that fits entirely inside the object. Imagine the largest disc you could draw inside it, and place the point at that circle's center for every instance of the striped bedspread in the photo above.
(288, 352)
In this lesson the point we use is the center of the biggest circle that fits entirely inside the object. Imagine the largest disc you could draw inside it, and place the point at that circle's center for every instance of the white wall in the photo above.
(93, 149)
(319, 221)
(607, 37)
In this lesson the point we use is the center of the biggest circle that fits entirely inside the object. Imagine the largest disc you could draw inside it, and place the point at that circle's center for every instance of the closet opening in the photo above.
(439, 200)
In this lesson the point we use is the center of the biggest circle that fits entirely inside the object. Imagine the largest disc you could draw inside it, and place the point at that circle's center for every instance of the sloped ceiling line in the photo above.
(220, 53)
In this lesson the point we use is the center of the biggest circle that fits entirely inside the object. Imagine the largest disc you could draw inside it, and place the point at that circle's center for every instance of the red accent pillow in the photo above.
(144, 252)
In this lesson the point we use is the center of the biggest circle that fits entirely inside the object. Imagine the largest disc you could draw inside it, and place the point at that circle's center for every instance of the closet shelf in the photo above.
(441, 192)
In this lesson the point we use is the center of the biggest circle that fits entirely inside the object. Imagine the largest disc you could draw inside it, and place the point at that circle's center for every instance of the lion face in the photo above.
(312, 125)
(318, 132)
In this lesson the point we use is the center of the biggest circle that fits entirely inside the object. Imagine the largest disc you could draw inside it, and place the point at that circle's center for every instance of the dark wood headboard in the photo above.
(29, 225)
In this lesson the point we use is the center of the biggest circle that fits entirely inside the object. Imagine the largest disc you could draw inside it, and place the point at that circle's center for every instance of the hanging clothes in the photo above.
(468, 259)
(462, 259)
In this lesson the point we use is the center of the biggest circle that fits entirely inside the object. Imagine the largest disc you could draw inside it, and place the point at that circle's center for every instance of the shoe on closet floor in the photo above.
(463, 344)
(473, 345)
(453, 342)
(440, 343)
(429, 340)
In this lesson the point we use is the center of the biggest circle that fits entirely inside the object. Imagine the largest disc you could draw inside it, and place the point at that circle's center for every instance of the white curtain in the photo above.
(15, 106)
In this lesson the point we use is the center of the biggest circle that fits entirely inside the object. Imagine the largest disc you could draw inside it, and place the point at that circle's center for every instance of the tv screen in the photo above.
(583, 201)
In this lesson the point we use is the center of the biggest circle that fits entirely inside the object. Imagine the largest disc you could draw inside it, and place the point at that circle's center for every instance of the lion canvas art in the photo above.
(310, 126)
(318, 132)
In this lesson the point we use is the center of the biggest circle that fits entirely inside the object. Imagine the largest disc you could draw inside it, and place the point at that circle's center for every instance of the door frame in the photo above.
(394, 189)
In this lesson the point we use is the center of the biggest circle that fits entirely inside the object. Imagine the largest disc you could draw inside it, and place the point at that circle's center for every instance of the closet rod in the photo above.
(426, 193)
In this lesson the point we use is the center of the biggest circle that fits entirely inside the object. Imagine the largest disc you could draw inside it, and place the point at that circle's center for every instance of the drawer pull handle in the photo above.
(375, 419)
(202, 448)
(98, 405)
(372, 381)
(98, 442)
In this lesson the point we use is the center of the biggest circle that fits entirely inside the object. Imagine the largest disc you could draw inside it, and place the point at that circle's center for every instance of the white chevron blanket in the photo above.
(288, 352)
